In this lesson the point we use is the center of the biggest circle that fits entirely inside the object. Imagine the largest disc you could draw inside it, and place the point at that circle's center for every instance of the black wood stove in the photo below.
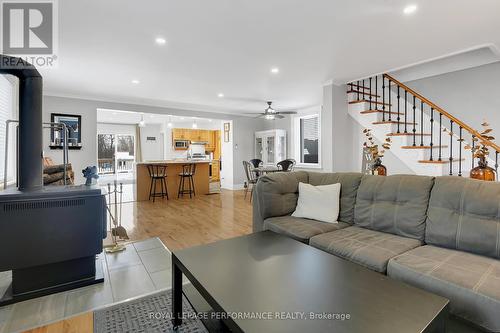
(49, 236)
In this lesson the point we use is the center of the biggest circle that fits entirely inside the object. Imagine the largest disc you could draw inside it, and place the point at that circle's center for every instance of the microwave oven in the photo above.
(181, 144)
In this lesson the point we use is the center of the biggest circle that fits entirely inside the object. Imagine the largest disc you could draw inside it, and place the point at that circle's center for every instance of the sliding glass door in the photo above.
(115, 153)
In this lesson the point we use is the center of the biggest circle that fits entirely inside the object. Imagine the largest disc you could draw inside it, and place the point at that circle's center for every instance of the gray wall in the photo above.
(243, 130)
(78, 158)
(471, 95)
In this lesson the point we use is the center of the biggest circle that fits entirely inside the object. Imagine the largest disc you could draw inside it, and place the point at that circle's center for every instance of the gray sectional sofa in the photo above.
(440, 234)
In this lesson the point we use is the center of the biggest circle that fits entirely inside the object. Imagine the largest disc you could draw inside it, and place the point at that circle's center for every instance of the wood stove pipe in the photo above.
(30, 120)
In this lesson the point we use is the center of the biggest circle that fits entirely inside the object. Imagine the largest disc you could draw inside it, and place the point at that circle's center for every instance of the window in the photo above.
(7, 111)
(307, 129)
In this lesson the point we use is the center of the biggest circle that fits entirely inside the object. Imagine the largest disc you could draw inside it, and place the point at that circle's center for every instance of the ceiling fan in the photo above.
(271, 114)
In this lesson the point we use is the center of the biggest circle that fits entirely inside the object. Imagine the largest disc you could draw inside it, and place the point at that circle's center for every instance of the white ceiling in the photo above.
(229, 46)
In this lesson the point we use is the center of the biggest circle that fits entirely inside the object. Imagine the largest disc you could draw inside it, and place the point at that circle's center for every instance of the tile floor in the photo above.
(143, 268)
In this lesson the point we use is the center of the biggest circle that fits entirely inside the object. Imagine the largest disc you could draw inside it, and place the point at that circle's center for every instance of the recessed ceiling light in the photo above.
(160, 41)
(136, 81)
(275, 70)
(220, 95)
(410, 9)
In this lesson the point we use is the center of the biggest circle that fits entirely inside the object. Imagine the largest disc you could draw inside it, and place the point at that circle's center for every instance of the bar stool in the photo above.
(188, 171)
(157, 172)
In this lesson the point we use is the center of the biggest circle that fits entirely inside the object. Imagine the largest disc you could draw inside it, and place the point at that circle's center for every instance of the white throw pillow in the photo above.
(321, 203)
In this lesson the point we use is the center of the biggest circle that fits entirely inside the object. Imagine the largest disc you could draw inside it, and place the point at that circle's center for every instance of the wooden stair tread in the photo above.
(392, 122)
(367, 101)
(361, 93)
(422, 147)
(379, 111)
(405, 134)
(444, 160)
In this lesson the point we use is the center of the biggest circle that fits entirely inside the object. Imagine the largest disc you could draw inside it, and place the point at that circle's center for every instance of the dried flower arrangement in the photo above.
(373, 148)
(480, 149)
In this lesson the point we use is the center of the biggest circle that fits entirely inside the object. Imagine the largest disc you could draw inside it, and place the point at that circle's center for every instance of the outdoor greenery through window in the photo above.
(309, 139)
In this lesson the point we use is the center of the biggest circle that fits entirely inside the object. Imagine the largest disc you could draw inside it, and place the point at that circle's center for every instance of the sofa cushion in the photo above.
(469, 281)
(349, 183)
(369, 248)
(394, 204)
(276, 195)
(464, 214)
(299, 228)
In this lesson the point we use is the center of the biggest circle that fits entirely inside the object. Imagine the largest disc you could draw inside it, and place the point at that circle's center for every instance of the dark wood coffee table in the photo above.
(286, 283)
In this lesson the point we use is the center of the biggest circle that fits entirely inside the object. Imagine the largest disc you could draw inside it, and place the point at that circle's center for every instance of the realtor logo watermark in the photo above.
(30, 31)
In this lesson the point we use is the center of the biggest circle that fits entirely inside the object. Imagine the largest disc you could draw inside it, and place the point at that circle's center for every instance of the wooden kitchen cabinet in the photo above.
(179, 134)
(215, 171)
(205, 135)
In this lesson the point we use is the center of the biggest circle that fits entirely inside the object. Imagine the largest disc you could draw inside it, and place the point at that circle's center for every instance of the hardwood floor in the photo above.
(179, 224)
(189, 222)
(80, 324)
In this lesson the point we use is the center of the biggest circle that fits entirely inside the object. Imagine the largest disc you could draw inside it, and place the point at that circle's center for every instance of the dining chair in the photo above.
(251, 178)
(286, 165)
(256, 163)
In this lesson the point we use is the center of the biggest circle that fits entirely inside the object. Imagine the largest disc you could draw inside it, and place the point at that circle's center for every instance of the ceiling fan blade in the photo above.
(254, 113)
(287, 112)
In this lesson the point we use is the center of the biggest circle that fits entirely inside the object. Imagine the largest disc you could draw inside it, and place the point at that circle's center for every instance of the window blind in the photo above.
(6, 112)
(309, 139)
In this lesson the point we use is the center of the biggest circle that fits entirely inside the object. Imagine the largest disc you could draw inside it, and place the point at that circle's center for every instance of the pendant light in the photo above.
(142, 123)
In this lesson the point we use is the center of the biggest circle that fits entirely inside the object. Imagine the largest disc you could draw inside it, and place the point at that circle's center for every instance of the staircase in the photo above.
(429, 140)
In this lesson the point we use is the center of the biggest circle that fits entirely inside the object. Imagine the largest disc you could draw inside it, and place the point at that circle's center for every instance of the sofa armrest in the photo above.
(276, 195)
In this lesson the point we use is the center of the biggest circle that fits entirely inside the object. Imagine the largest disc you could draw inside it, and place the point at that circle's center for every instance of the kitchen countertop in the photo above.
(175, 161)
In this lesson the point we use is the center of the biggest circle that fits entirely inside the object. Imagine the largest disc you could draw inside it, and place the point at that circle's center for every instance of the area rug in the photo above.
(148, 314)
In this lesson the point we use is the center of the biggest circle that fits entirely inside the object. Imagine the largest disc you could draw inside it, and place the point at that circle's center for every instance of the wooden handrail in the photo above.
(444, 113)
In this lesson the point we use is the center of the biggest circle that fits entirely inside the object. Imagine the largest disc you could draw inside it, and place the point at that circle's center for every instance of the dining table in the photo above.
(265, 169)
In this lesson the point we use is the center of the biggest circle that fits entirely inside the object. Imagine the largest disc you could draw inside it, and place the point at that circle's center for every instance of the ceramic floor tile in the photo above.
(5, 280)
(131, 281)
(148, 244)
(156, 260)
(125, 275)
(162, 279)
(36, 312)
(88, 298)
(126, 258)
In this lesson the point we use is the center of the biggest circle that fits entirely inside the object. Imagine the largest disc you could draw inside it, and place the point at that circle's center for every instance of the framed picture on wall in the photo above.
(73, 124)
(226, 132)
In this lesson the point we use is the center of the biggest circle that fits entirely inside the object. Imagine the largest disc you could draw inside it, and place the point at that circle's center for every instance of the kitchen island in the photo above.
(174, 168)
